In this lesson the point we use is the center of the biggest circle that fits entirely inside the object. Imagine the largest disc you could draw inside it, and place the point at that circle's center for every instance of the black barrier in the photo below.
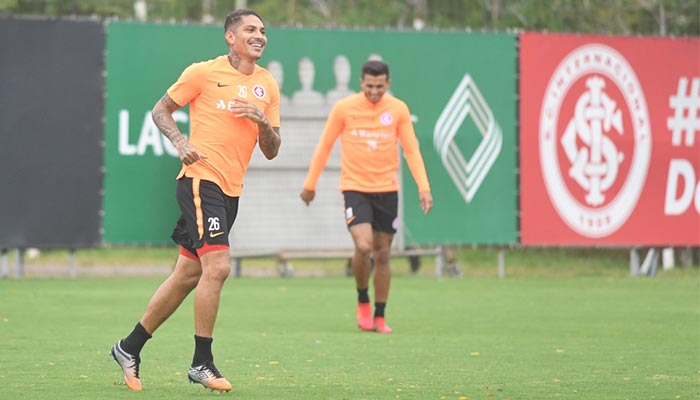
(51, 130)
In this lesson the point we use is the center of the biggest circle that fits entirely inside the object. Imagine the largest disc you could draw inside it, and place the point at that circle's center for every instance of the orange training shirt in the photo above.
(369, 136)
(227, 141)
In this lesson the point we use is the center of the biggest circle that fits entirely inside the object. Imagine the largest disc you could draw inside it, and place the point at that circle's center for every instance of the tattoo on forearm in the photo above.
(269, 139)
(163, 118)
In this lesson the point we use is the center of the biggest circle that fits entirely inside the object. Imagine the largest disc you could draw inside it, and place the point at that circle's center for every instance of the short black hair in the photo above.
(234, 18)
(375, 68)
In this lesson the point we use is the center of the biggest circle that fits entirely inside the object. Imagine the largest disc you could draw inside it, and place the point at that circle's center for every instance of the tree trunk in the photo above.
(207, 11)
(662, 18)
(291, 11)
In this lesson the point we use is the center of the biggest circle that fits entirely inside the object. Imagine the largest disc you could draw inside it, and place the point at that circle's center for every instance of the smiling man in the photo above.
(234, 105)
(370, 124)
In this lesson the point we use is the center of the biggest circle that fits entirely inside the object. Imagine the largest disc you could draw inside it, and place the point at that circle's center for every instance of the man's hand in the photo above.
(269, 139)
(426, 202)
(188, 153)
(307, 196)
(244, 109)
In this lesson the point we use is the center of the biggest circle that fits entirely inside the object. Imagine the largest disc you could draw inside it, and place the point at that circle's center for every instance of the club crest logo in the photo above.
(594, 140)
(386, 119)
(259, 92)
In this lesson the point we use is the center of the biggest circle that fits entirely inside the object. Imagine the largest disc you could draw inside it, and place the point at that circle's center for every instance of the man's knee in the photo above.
(187, 272)
(381, 258)
(364, 249)
(217, 271)
(190, 280)
(216, 265)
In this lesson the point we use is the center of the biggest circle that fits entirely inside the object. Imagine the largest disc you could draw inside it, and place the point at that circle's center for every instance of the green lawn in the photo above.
(481, 338)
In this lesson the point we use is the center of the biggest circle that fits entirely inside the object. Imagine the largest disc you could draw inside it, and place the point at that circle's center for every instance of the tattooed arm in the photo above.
(269, 138)
(162, 115)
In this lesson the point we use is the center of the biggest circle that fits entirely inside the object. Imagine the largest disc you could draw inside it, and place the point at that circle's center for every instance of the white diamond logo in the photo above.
(465, 102)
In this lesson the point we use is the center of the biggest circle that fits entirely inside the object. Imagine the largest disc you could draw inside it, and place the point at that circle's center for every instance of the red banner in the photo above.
(609, 140)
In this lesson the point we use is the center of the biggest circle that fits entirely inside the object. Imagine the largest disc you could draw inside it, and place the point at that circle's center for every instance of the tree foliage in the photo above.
(619, 17)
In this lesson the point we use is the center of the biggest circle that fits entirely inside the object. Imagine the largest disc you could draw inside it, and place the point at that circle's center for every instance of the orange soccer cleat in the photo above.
(364, 316)
(130, 366)
(380, 325)
(208, 376)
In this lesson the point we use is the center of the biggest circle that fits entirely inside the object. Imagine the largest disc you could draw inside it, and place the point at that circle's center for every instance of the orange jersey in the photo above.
(228, 142)
(369, 136)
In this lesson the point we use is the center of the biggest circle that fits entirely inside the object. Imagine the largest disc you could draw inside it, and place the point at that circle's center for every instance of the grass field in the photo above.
(533, 338)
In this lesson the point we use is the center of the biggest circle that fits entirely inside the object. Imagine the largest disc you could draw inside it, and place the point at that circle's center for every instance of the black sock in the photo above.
(379, 309)
(362, 295)
(133, 343)
(202, 350)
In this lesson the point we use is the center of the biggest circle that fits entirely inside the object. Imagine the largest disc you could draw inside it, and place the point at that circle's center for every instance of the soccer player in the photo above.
(370, 125)
(234, 105)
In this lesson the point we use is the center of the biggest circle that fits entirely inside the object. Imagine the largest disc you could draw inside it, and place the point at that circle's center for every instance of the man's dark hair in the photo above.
(375, 68)
(234, 18)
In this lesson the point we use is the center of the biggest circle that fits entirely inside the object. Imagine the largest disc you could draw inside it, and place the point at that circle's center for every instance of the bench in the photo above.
(283, 257)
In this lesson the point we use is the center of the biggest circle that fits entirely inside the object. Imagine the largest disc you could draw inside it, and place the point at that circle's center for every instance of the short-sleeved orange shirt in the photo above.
(369, 136)
(228, 142)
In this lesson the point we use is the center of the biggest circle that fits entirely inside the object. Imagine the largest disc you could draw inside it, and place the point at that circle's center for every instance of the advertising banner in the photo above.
(140, 163)
(609, 140)
(464, 114)
(465, 118)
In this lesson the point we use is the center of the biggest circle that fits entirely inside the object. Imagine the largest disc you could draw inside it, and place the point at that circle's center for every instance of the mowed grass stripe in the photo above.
(486, 338)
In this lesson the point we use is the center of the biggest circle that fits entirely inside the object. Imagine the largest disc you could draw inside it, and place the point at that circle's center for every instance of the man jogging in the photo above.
(234, 105)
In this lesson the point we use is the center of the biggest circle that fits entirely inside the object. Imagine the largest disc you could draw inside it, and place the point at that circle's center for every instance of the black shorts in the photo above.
(207, 215)
(379, 209)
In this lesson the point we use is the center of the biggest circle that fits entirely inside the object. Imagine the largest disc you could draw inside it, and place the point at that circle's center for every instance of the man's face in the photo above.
(248, 38)
(374, 87)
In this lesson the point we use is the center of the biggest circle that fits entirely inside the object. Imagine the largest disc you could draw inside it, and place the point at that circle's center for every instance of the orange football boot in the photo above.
(130, 366)
(380, 325)
(208, 376)
(364, 316)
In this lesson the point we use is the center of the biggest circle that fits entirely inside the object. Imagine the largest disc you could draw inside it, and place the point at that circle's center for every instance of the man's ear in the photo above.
(230, 37)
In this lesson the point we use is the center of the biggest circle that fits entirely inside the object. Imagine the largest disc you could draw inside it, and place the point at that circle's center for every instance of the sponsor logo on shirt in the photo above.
(366, 134)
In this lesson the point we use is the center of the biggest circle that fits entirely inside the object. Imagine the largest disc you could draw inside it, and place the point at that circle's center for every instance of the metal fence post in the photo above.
(3, 264)
(501, 263)
(73, 267)
(19, 263)
(634, 261)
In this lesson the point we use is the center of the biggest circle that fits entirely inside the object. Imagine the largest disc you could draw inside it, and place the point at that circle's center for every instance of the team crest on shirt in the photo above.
(259, 91)
(386, 119)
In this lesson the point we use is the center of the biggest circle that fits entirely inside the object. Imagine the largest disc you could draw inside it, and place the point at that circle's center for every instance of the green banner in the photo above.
(140, 164)
(466, 123)
(460, 88)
